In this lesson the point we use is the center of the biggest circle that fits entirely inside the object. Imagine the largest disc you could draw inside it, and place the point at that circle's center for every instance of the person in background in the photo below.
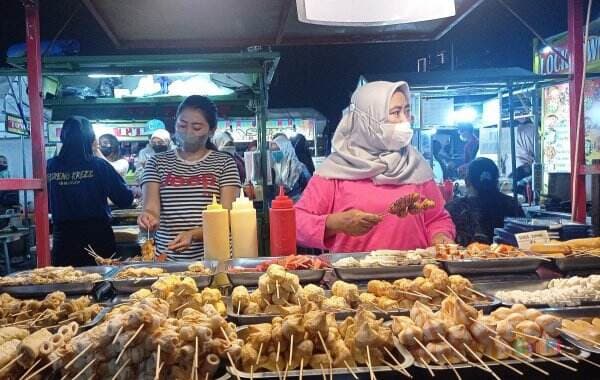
(252, 146)
(8, 198)
(303, 152)
(484, 208)
(436, 162)
(224, 143)
(345, 206)
(109, 146)
(466, 133)
(524, 152)
(287, 168)
(179, 184)
(4, 173)
(79, 184)
(160, 141)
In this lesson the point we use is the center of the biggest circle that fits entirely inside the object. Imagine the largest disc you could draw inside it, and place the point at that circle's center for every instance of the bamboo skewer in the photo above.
(426, 350)
(129, 342)
(458, 353)
(233, 366)
(278, 351)
(555, 346)
(329, 357)
(225, 335)
(378, 308)
(251, 372)
(291, 349)
(239, 306)
(181, 307)
(428, 367)
(84, 369)
(121, 369)
(350, 370)
(259, 353)
(30, 369)
(117, 334)
(277, 289)
(394, 367)
(509, 347)
(585, 360)
(10, 363)
(369, 364)
(301, 368)
(451, 366)
(157, 362)
(485, 366)
(323, 371)
(42, 368)
(404, 371)
(78, 356)
(504, 364)
(195, 361)
(554, 361)
(530, 365)
(478, 293)
(484, 326)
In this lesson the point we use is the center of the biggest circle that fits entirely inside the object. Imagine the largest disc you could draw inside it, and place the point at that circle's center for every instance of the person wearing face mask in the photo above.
(79, 184)
(288, 171)
(224, 143)
(160, 142)
(109, 146)
(179, 184)
(484, 208)
(344, 207)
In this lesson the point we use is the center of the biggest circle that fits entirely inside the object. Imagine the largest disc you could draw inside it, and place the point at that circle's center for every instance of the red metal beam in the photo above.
(575, 38)
(20, 184)
(34, 81)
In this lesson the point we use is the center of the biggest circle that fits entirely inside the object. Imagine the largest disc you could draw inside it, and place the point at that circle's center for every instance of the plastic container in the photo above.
(243, 228)
(282, 221)
(215, 228)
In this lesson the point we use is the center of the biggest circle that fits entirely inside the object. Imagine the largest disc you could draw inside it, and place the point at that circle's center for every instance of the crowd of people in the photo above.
(341, 206)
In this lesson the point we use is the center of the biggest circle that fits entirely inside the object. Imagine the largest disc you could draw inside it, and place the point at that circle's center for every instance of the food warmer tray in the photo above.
(581, 312)
(133, 285)
(488, 266)
(573, 264)
(69, 288)
(361, 372)
(250, 279)
(493, 287)
(371, 273)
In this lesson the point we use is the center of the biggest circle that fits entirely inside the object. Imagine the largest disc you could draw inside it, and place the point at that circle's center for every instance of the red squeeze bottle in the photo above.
(282, 225)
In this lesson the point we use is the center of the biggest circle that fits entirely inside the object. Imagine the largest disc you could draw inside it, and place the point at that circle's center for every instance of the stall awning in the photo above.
(243, 23)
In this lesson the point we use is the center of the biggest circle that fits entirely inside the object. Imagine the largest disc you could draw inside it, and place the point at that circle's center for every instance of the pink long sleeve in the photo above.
(312, 211)
(324, 196)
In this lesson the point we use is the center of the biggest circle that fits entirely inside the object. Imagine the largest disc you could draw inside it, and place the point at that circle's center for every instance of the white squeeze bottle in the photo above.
(215, 227)
(243, 228)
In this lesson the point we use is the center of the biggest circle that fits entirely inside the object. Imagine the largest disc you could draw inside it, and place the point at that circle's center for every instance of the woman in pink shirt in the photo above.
(343, 208)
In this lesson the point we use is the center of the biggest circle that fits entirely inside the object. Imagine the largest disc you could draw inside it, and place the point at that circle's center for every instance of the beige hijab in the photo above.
(358, 152)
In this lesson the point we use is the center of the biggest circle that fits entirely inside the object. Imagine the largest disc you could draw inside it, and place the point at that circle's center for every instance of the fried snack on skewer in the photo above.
(410, 204)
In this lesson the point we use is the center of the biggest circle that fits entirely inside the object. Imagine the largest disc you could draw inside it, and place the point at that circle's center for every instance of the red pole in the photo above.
(34, 81)
(575, 37)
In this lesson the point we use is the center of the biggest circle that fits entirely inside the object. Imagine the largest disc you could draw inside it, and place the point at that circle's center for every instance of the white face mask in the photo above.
(396, 136)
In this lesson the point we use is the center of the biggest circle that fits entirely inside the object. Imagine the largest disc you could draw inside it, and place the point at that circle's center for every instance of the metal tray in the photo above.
(317, 373)
(69, 288)
(485, 266)
(572, 264)
(133, 285)
(370, 273)
(250, 279)
(581, 312)
(493, 287)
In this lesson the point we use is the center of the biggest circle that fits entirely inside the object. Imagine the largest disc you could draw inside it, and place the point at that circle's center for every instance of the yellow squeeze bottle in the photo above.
(215, 229)
(243, 228)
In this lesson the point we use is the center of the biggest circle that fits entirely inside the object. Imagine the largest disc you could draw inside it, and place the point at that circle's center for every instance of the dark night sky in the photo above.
(323, 77)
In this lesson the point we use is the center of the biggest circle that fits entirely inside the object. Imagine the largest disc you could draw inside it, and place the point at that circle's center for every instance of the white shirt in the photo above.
(121, 166)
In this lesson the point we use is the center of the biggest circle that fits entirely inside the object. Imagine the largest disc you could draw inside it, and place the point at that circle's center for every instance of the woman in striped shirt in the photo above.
(179, 184)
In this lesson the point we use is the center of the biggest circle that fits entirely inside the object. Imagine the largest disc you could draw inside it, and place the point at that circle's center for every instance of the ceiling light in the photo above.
(372, 12)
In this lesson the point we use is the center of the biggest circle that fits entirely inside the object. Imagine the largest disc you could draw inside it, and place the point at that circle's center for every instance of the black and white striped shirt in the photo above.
(186, 188)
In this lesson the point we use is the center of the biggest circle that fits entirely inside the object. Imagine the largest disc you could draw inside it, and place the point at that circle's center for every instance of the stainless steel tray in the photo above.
(580, 312)
(493, 287)
(572, 264)
(307, 276)
(485, 266)
(133, 285)
(314, 373)
(69, 288)
(371, 273)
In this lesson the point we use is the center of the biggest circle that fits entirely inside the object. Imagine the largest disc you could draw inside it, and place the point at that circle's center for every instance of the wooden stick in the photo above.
(10, 363)
(195, 361)
(259, 353)
(43, 368)
(84, 369)
(554, 345)
(301, 368)
(530, 365)
(585, 360)
(442, 293)
(456, 295)
(578, 336)
(325, 346)
(478, 293)
(117, 334)
(460, 356)
(485, 366)
(426, 350)
(504, 364)
(405, 372)
(278, 351)
(277, 289)
(509, 347)
(78, 356)
(251, 372)
(30, 369)
(350, 370)
(239, 306)
(394, 367)
(225, 335)
(554, 361)
(451, 366)
(181, 307)
(323, 371)
(369, 363)
(378, 308)
(428, 367)
(484, 326)
(285, 373)
(129, 342)
(157, 361)
(233, 365)
(121, 369)
(291, 349)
